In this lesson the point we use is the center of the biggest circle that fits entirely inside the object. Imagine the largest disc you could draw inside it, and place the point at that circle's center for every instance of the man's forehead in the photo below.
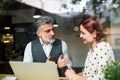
(46, 26)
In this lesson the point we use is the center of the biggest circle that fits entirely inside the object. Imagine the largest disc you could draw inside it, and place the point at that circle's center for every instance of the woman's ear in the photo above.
(94, 34)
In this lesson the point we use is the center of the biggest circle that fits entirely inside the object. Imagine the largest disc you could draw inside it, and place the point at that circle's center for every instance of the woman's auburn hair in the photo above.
(92, 24)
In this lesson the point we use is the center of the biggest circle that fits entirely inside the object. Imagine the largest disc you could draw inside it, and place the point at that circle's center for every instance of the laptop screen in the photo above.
(34, 71)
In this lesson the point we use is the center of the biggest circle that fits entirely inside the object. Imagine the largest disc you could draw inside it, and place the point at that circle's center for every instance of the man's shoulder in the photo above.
(62, 41)
(35, 40)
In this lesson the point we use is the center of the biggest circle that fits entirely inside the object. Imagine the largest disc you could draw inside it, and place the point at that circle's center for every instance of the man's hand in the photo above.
(48, 60)
(62, 62)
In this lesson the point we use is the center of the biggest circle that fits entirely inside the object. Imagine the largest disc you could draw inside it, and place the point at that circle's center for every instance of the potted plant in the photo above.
(112, 71)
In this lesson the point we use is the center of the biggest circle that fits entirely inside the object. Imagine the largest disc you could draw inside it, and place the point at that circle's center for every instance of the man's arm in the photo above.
(27, 53)
(65, 54)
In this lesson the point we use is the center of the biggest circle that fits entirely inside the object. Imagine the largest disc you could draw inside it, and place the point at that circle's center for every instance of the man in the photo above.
(46, 48)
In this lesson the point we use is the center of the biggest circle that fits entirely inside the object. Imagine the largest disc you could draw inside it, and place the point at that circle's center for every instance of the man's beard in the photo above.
(50, 40)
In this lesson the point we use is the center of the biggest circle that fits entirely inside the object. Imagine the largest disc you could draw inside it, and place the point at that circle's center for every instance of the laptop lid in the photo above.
(34, 71)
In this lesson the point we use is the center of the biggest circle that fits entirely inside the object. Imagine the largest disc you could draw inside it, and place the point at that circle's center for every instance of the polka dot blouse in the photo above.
(96, 60)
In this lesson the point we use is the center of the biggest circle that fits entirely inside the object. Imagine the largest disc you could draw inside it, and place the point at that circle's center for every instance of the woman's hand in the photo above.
(71, 75)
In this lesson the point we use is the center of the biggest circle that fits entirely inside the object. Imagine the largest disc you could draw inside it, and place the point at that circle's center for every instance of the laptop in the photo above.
(34, 71)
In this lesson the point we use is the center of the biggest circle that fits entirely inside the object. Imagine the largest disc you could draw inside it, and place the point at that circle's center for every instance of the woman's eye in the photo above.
(82, 32)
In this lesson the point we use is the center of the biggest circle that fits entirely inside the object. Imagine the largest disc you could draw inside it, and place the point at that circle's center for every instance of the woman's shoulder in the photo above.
(104, 45)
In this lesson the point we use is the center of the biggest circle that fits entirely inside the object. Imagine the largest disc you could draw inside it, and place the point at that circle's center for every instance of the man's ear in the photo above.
(38, 33)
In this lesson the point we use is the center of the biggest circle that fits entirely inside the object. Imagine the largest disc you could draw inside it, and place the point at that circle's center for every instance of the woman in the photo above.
(99, 54)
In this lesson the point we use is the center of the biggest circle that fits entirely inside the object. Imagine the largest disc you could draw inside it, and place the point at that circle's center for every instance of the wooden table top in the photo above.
(12, 75)
(5, 75)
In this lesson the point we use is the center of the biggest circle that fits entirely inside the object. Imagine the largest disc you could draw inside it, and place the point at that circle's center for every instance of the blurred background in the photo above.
(17, 17)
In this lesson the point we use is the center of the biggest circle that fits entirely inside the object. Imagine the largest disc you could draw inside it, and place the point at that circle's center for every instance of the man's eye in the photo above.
(53, 29)
(47, 31)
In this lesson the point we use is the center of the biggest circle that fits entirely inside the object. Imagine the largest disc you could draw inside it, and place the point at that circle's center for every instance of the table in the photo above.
(5, 75)
(11, 75)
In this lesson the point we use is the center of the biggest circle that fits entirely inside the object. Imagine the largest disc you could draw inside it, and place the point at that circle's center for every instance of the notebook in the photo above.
(34, 71)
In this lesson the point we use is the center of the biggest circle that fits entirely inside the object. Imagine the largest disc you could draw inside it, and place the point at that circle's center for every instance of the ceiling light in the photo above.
(36, 16)
(6, 27)
(37, 13)
(76, 28)
(55, 25)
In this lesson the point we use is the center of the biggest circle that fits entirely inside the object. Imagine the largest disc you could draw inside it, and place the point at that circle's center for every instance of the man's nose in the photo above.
(52, 32)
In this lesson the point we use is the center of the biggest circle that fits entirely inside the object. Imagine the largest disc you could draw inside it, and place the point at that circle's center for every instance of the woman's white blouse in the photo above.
(96, 60)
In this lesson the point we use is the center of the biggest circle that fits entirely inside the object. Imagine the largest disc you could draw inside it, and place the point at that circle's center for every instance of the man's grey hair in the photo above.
(43, 20)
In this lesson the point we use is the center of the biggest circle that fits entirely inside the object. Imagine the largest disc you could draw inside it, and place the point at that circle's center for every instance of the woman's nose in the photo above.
(80, 35)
